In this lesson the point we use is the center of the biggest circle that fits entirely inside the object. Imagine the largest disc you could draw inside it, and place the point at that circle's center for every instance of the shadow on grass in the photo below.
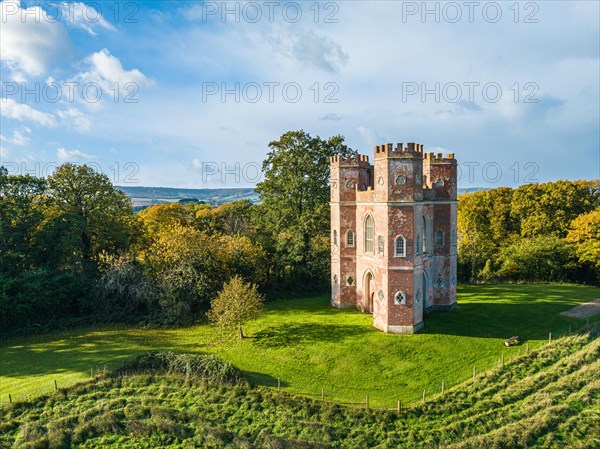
(530, 321)
(79, 353)
(293, 334)
(264, 380)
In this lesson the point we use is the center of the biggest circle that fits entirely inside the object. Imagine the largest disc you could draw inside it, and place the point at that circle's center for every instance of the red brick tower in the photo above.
(393, 235)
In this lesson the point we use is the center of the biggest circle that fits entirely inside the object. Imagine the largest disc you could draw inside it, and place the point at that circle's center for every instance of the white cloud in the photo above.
(21, 137)
(310, 49)
(76, 119)
(86, 17)
(23, 112)
(30, 40)
(107, 71)
(369, 136)
(4, 153)
(65, 155)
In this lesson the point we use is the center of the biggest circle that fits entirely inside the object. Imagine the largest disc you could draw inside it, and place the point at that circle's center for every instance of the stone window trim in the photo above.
(418, 245)
(400, 246)
(350, 238)
(400, 298)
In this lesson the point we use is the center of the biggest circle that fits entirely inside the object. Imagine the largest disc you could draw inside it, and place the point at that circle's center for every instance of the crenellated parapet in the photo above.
(352, 160)
(439, 158)
(400, 150)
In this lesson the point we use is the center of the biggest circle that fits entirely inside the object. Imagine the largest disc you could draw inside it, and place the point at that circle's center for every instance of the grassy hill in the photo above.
(145, 196)
(312, 348)
(548, 398)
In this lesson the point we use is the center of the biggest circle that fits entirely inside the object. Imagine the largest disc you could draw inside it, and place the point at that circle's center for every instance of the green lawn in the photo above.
(309, 345)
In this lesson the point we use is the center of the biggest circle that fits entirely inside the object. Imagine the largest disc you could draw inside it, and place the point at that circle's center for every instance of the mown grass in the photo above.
(309, 346)
(548, 398)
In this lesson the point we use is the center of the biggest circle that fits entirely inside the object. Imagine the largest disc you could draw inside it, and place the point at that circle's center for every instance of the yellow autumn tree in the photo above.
(235, 305)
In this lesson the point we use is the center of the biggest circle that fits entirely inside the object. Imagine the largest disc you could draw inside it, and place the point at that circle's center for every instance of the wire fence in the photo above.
(370, 398)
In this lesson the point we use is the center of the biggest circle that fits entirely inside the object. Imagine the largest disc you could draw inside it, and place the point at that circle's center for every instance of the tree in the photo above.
(21, 213)
(295, 200)
(584, 234)
(102, 213)
(537, 259)
(235, 305)
(159, 217)
(549, 208)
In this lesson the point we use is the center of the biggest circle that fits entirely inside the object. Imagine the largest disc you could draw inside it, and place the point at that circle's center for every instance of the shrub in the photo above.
(202, 366)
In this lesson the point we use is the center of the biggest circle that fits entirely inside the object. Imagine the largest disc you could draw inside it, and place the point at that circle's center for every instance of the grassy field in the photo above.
(546, 399)
(309, 346)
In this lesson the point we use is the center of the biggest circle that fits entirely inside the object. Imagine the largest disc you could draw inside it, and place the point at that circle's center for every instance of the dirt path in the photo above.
(584, 310)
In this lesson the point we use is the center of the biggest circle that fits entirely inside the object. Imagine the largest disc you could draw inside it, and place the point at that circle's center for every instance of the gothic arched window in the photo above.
(439, 238)
(424, 234)
(400, 246)
(349, 238)
(334, 237)
(369, 234)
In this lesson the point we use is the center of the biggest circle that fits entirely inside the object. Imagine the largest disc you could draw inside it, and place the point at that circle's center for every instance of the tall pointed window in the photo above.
(400, 247)
(424, 234)
(418, 245)
(334, 237)
(439, 238)
(369, 234)
(349, 238)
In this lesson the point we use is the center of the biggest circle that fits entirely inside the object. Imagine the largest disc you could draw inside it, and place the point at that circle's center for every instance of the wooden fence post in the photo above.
(423, 394)
(9, 398)
(278, 383)
(55, 386)
(526, 348)
(549, 337)
(443, 386)
(399, 407)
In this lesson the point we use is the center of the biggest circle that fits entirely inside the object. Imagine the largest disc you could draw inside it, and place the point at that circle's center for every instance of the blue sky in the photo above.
(188, 94)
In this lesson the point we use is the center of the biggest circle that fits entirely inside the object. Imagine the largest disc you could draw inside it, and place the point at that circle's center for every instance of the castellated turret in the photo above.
(393, 234)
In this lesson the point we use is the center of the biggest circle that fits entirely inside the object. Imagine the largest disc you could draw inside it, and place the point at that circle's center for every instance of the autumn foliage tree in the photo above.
(584, 234)
(236, 304)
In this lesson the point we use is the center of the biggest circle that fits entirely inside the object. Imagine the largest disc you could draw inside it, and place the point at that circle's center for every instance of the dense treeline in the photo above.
(71, 246)
(536, 232)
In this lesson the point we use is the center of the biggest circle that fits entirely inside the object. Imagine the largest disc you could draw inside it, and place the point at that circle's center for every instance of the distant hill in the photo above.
(143, 197)
(471, 189)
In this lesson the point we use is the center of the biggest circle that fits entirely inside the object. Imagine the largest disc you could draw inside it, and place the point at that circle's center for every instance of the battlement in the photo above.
(410, 150)
(353, 159)
(432, 157)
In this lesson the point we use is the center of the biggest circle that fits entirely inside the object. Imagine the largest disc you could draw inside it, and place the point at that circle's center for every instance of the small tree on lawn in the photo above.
(237, 303)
